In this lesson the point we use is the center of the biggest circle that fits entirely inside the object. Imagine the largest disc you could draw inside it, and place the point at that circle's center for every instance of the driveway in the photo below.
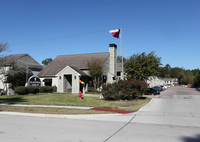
(173, 117)
(176, 106)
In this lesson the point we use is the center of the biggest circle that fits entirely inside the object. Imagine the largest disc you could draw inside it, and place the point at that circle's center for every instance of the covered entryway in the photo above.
(68, 80)
(67, 83)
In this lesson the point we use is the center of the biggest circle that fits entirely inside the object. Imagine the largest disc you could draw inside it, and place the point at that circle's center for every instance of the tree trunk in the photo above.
(95, 83)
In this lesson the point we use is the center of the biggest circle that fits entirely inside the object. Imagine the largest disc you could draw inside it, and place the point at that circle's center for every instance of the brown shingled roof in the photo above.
(78, 71)
(77, 60)
(9, 60)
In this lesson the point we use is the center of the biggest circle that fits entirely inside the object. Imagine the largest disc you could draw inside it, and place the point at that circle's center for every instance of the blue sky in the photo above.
(48, 28)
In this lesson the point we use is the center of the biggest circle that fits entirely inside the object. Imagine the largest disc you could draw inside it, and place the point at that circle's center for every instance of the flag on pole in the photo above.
(115, 32)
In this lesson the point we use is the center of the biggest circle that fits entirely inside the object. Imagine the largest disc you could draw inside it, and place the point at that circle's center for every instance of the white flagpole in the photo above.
(121, 44)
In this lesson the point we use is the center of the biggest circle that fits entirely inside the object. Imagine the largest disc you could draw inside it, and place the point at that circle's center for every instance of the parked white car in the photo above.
(165, 87)
(168, 85)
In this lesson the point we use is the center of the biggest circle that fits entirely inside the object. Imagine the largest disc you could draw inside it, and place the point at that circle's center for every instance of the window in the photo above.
(47, 82)
(118, 73)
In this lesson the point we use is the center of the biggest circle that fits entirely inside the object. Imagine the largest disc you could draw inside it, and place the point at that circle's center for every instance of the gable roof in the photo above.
(8, 60)
(77, 60)
(78, 71)
(24, 60)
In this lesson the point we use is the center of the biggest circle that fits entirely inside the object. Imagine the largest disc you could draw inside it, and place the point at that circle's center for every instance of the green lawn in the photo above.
(68, 100)
(49, 110)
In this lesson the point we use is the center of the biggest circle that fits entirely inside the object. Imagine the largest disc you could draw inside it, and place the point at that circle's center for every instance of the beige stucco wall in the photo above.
(59, 80)
(75, 80)
(55, 81)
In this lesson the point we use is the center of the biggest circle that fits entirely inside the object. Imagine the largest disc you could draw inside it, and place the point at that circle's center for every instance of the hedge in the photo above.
(48, 89)
(22, 90)
(32, 89)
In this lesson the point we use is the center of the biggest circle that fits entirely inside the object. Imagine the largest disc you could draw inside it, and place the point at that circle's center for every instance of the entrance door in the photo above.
(68, 83)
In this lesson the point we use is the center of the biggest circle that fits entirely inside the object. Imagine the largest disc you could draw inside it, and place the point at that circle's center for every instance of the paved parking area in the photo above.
(173, 117)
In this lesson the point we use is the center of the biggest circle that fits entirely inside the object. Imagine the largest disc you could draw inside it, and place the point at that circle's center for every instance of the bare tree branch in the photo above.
(3, 46)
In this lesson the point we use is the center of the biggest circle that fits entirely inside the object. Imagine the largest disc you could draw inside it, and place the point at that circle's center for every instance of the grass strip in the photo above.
(49, 110)
(73, 100)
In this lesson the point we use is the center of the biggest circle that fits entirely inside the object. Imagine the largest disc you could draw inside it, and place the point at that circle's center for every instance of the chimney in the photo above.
(112, 62)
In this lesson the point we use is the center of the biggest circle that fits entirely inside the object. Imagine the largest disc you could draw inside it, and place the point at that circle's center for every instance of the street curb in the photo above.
(111, 110)
(70, 107)
(99, 117)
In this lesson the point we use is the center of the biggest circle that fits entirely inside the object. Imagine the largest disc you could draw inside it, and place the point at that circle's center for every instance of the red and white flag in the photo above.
(115, 32)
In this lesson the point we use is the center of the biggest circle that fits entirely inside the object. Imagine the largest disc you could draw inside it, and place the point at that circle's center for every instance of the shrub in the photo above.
(21, 90)
(32, 89)
(48, 89)
(54, 89)
(124, 90)
(148, 91)
(111, 92)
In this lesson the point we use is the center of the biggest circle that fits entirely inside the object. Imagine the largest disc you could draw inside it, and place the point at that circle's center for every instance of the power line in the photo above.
(164, 20)
(59, 37)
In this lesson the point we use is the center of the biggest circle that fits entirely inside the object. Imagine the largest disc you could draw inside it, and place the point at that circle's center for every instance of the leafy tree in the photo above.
(16, 75)
(188, 77)
(167, 69)
(18, 79)
(164, 72)
(184, 76)
(196, 74)
(179, 73)
(47, 61)
(176, 72)
(141, 66)
(95, 70)
(119, 59)
(197, 81)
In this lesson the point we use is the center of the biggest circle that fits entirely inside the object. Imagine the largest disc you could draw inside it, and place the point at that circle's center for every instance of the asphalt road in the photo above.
(173, 117)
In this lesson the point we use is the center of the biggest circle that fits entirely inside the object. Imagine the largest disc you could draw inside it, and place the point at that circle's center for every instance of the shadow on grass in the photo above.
(142, 98)
(13, 100)
(191, 139)
(9, 101)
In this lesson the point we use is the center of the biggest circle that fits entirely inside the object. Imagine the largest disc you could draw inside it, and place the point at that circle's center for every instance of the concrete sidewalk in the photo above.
(47, 106)
(69, 107)
(97, 117)
(116, 117)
